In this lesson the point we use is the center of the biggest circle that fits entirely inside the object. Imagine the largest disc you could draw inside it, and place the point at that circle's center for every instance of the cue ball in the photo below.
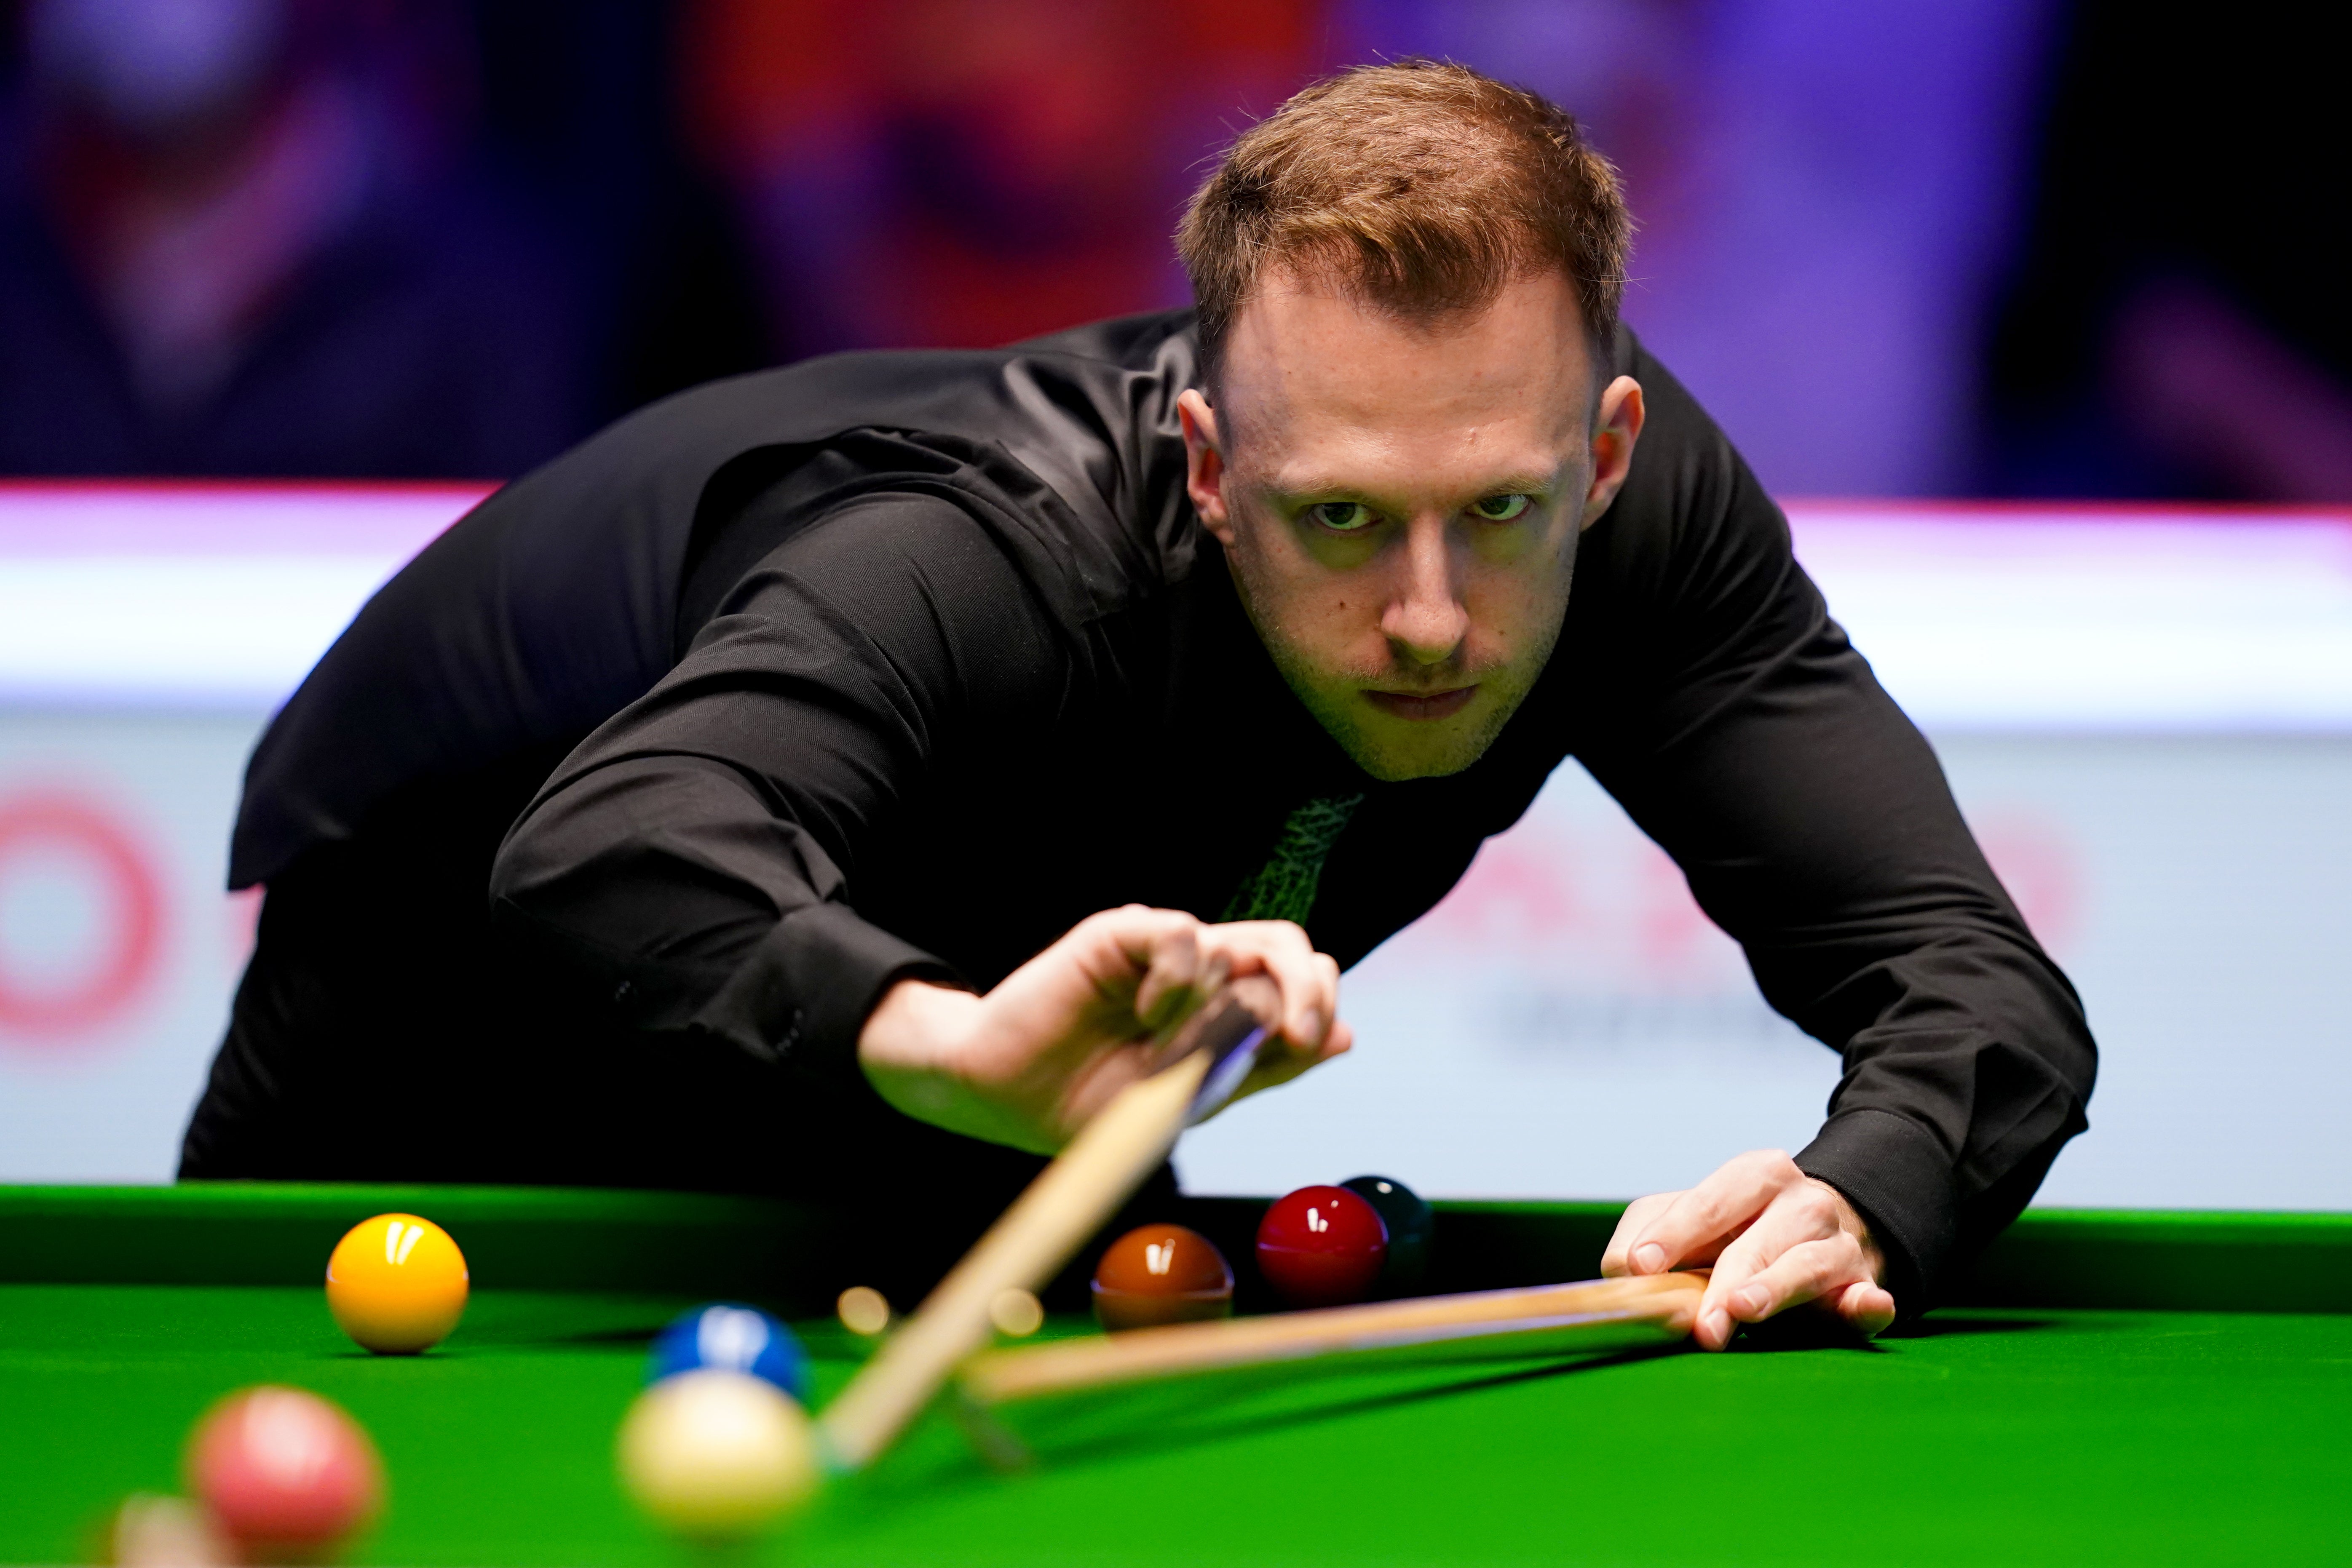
(1410, 1221)
(716, 1456)
(736, 1339)
(1161, 1274)
(286, 1475)
(396, 1283)
(1321, 1247)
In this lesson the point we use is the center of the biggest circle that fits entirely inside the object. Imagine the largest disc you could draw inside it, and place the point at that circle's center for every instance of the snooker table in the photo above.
(2143, 1387)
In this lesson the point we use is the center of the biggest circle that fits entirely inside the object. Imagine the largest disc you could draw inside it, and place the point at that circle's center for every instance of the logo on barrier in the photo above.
(72, 830)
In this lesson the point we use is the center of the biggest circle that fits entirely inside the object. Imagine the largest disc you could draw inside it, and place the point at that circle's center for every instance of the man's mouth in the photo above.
(1423, 706)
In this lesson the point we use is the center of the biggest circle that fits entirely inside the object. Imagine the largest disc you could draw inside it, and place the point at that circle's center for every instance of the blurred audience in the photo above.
(958, 173)
(1825, 193)
(579, 109)
(2008, 244)
(239, 240)
(2179, 324)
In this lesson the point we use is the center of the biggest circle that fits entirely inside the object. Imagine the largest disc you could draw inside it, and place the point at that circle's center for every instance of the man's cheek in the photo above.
(1509, 619)
(1495, 631)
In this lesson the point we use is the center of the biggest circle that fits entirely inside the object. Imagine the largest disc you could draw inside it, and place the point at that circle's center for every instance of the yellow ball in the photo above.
(716, 1454)
(396, 1283)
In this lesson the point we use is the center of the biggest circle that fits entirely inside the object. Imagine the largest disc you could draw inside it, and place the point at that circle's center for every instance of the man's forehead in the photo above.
(1312, 356)
(1365, 470)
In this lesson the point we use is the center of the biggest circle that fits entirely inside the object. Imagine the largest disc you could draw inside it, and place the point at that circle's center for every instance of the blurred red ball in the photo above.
(285, 1473)
(1321, 1247)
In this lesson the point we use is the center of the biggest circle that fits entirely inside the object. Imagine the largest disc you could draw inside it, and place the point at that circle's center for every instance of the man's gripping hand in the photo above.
(1776, 1239)
(1029, 1062)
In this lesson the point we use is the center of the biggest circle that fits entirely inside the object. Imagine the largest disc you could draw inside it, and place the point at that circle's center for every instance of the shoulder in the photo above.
(1144, 342)
(1085, 385)
(1072, 440)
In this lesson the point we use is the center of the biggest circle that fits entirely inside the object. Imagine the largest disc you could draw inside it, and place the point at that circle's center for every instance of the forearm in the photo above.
(1753, 743)
(1816, 828)
(725, 919)
(691, 865)
(1940, 1140)
(1968, 1066)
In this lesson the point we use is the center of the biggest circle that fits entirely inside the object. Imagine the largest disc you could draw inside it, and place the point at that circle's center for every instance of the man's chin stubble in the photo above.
(1460, 743)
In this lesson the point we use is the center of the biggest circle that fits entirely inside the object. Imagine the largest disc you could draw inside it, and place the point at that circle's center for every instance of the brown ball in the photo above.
(1161, 1274)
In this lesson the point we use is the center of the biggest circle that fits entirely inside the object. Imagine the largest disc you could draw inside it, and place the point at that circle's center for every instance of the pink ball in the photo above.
(285, 1473)
(1321, 1247)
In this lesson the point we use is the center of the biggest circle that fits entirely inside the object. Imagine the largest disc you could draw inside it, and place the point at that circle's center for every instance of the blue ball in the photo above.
(733, 1339)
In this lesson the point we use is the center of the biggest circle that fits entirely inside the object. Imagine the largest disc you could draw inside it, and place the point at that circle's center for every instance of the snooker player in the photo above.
(822, 782)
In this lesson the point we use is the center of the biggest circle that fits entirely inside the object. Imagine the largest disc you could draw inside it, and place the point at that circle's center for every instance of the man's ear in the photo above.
(1205, 464)
(1614, 433)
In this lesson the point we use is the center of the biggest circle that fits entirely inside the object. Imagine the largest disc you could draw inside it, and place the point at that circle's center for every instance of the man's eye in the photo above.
(1341, 517)
(1502, 508)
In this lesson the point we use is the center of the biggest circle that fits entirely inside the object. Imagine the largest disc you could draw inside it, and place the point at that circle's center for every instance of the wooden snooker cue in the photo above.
(1071, 1198)
(1594, 1314)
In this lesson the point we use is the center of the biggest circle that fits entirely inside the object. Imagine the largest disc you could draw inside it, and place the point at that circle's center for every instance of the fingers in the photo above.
(1869, 1308)
(1630, 1224)
(1805, 1273)
(1695, 1227)
(1164, 963)
(1308, 980)
(1739, 1292)
(1171, 975)
(1800, 1249)
(1831, 1273)
(1152, 962)
(1181, 961)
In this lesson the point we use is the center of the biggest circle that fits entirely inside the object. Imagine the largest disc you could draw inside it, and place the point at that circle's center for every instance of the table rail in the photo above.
(798, 1254)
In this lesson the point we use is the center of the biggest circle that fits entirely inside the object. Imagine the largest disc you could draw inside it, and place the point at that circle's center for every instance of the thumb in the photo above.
(1869, 1308)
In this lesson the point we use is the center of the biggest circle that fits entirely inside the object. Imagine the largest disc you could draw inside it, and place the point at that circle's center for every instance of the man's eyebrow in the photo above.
(1324, 488)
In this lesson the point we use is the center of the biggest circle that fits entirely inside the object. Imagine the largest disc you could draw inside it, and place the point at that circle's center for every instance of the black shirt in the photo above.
(901, 665)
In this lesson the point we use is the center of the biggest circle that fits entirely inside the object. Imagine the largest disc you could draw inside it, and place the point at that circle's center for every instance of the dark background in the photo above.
(2013, 248)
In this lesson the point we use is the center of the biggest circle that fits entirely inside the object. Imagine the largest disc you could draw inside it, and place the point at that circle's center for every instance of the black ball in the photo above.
(1410, 1223)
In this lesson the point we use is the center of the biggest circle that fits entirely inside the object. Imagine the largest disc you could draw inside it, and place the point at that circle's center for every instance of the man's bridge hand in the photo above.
(1776, 1239)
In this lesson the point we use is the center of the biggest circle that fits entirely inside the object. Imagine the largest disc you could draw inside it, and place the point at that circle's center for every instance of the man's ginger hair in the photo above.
(1420, 189)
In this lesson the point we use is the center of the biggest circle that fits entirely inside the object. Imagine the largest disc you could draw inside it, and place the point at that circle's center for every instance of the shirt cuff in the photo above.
(1898, 1177)
(802, 998)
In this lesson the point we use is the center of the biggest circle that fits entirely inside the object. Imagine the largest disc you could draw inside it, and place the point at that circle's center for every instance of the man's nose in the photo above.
(1425, 621)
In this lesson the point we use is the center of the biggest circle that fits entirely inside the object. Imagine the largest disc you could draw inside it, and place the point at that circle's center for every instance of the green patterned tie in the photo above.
(1284, 888)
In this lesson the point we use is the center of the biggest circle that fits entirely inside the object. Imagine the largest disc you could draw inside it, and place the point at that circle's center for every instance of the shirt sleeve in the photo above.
(693, 864)
(1814, 824)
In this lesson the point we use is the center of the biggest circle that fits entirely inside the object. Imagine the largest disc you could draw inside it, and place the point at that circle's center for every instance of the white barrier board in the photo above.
(2147, 716)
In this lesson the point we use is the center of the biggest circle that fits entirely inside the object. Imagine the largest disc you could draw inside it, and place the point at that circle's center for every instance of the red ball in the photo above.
(286, 1474)
(1321, 1247)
